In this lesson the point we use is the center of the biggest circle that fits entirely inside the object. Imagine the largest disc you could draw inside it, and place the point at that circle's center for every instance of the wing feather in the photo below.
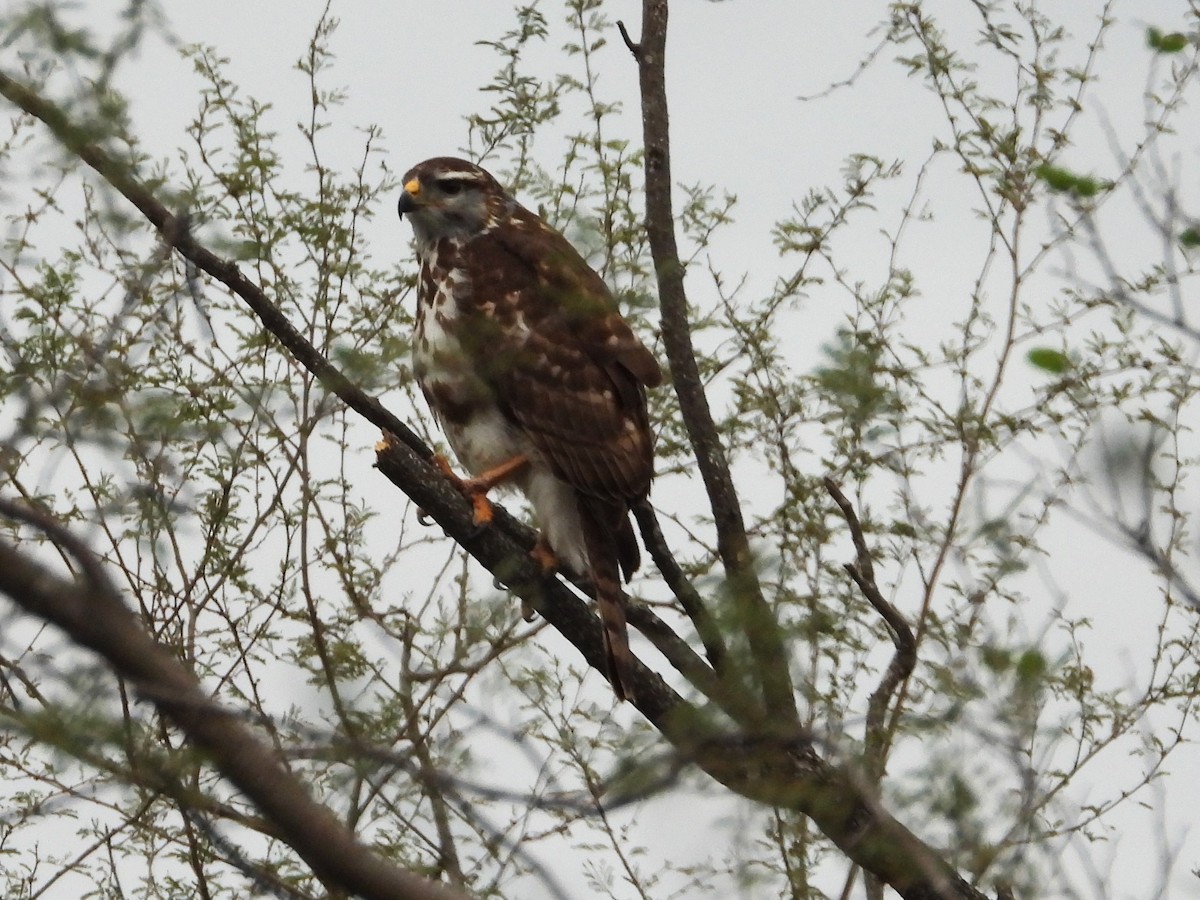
(565, 366)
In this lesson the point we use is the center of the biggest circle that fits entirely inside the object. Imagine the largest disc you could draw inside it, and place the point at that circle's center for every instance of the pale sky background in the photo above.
(735, 72)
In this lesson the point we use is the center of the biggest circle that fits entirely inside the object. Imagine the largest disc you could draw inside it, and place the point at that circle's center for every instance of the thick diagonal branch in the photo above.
(90, 610)
(762, 632)
(174, 231)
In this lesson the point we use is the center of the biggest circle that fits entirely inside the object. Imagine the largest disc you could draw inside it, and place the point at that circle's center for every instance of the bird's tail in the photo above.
(603, 555)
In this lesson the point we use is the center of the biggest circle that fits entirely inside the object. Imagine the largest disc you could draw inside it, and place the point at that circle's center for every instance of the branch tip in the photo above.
(634, 47)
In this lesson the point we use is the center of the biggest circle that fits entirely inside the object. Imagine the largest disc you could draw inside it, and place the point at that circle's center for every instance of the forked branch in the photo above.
(862, 571)
(90, 610)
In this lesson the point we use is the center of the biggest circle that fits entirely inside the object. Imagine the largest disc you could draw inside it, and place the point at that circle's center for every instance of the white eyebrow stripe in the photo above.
(455, 176)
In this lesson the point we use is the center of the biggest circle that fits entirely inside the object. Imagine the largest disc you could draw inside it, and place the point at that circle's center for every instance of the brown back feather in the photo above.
(572, 374)
(565, 366)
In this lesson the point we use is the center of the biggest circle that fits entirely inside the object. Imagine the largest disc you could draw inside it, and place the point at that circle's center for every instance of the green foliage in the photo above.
(850, 382)
(1174, 42)
(1066, 182)
(521, 102)
(1049, 360)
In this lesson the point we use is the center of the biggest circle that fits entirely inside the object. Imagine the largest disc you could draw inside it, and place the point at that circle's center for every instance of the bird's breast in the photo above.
(442, 364)
(450, 370)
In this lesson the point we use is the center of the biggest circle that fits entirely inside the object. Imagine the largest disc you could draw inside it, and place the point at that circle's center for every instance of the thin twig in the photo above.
(863, 573)
(684, 591)
(634, 48)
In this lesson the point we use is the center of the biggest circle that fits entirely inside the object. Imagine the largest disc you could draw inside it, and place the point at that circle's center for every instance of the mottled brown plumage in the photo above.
(521, 353)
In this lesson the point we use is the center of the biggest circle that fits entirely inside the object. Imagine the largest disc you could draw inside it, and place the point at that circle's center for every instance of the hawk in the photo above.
(534, 376)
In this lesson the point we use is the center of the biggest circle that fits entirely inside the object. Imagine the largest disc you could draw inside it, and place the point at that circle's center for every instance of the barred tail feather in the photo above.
(617, 655)
(605, 575)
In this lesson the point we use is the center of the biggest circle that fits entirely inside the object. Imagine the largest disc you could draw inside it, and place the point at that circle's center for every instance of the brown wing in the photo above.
(565, 366)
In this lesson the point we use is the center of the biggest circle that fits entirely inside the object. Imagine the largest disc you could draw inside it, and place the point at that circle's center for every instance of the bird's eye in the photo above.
(451, 186)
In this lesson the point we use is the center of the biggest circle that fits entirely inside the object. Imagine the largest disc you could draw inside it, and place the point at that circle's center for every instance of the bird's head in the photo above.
(448, 197)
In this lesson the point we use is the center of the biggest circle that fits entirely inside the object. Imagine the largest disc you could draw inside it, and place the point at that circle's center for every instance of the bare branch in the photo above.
(91, 611)
(684, 591)
(762, 630)
(905, 657)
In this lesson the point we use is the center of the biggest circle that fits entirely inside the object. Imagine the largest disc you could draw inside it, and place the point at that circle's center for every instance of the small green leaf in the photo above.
(1166, 43)
(1052, 361)
(1190, 237)
(1031, 668)
(996, 659)
(1065, 181)
(1056, 179)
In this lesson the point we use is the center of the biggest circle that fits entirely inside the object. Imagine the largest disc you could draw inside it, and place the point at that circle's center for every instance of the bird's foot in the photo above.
(544, 556)
(548, 562)
(482, 510)
(476, 489)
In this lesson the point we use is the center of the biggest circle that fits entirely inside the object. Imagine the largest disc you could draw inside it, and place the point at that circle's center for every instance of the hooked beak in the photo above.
(409, 199)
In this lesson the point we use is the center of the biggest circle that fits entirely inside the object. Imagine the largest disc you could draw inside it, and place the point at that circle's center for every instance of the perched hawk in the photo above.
(534, 376)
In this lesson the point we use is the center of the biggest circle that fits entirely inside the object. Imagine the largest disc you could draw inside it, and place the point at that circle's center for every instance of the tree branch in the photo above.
(685, 592)
(175, 232)
(778, 765)
(91, 611)
(762, 630)
(905, 657)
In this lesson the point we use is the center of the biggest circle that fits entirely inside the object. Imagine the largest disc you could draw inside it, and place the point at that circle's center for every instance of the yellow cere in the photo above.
(413, 187)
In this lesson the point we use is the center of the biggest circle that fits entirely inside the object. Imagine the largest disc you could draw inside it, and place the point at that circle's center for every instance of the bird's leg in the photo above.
(547, 561)
(476, 488)
(544, 556)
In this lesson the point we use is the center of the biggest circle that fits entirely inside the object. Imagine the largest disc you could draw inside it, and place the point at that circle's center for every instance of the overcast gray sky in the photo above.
(736, 72)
